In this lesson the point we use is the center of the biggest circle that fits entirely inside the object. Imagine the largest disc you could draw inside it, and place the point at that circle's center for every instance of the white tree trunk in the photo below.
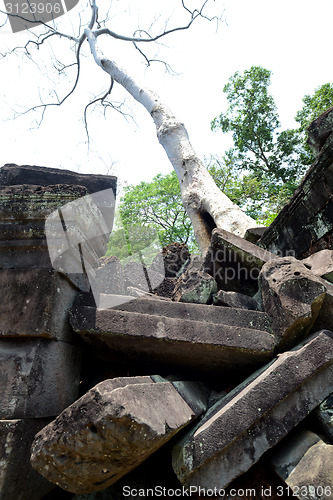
(206, 205)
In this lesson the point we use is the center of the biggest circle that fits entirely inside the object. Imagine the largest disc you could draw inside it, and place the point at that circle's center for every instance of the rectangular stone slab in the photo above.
(113, 428)
(38, 377)
(234, 262)
(256, 415)
(35, 303)
(232, 344)
(185, 311)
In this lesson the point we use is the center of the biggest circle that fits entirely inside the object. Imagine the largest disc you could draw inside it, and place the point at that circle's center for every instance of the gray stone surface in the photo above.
(234, 262)
(179, 336)
(305, 463)
(18, 480)
(23, 210)
(175, 256)
(320, 130)
(110, 276)
(324, 414)
(325, 315)
(197, 312)
(255, 416)
(287, 454)
(140, 276)
(35, 303)
(312, 477)
(292, 296)
(195, 285)
(110, 431)
(235, 299)
(38, 377)
(321, 264)
(253, 234)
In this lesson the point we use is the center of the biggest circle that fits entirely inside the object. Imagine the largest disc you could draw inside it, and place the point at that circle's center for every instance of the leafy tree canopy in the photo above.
(270, 162)
(151, 206)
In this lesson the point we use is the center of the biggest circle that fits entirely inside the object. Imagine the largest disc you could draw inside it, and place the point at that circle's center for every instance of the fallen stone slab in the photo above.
(292, 296)
(112, 429)
(110, 276)
(38, 377)
(35, 303)
(18, 480)
(321, 264)
(234, 262)
(235, 299)
(256, 415)
(179, 336)
(305, 463)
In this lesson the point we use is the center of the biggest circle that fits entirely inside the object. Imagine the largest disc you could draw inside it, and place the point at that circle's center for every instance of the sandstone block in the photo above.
(292, 296)
(256, 415)
(234, 262)
(305, 464)
(321, 264)
(38, 377)
(35, 303)
(193, 312)
(235, 299)
(23, 210)
(179, 336)
(18, 480)
(111, 430)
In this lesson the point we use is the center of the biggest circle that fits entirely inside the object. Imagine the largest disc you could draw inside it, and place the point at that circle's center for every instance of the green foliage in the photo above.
(257, 197)
(252, 117)
(269, 162)
(151, 209)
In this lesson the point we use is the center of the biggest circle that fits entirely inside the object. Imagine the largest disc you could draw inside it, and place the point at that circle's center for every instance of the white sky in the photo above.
(293, 38)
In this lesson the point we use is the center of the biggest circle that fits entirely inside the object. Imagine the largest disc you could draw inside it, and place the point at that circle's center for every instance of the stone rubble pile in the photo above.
(221, 375)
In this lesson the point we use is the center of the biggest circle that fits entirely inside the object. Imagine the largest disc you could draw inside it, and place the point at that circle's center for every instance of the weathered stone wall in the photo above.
(40, 357)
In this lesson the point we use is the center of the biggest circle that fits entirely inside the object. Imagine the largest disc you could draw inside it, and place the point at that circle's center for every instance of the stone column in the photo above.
(39, 353)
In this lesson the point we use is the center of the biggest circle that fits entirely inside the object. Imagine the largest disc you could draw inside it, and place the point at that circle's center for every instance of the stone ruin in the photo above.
(216, 381)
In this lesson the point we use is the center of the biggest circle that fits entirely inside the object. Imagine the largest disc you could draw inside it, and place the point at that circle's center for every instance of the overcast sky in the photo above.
(292, 38)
